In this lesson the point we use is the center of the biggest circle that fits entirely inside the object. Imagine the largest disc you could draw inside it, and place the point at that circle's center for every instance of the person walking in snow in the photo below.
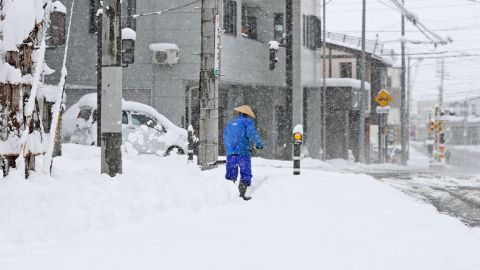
(239, 135)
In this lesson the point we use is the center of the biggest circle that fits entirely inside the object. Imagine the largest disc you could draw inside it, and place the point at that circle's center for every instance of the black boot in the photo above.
(242, 188)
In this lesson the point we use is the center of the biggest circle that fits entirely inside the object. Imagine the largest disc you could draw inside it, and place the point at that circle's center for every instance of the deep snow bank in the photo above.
(164, 214)
(78, 198)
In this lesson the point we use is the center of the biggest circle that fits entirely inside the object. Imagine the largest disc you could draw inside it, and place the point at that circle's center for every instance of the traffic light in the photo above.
(440, 126)
(442, 138)
(273, 58)
(128, 45)
(56, 31)
(431, 126)
(273, 46)
(128, 53)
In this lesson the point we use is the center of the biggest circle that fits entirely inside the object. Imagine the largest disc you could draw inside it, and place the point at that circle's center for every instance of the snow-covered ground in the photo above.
(163, 213)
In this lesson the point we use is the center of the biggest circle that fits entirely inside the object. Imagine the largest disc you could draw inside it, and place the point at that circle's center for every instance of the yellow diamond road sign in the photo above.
(383, 98)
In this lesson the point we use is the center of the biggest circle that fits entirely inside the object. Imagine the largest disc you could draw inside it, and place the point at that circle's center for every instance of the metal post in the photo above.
(408, 104)
(191, 143)
(208, 88)
(323, 93)
(403, 115)
(289, 68)
(380, 136)
(111, 96)
(385, 138)
(361, 133)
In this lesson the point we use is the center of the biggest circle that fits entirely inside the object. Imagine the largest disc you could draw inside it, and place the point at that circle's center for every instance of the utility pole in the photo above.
(465, 121)
(208, 86)
(289, 69)
(408, 104)
(323, 93)
(403, 115)
(111, 96)
(99, 77)
(361, 103)
(442, 79)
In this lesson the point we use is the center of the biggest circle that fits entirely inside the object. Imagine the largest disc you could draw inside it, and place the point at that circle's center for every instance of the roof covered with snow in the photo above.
(159, 47)
(21, 17)
(346, 82)
(373, 47)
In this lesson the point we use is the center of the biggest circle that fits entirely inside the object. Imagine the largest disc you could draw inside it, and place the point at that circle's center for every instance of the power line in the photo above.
(413, 8)
(412, 31)
(442, 52)
(388, 5)
(448, 56)
(165, 10)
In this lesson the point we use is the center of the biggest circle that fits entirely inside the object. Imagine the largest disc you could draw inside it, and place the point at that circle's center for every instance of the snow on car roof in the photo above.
(90, 100)
(142, 108)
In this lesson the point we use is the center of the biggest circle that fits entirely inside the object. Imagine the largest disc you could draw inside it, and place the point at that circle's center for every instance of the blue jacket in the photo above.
(239, 134)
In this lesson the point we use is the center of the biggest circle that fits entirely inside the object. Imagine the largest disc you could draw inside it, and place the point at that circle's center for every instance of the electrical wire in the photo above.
(388, 5)
(412, 31)
(165, 10)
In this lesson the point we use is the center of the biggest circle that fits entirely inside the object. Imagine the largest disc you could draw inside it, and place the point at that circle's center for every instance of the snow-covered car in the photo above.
(144, 130)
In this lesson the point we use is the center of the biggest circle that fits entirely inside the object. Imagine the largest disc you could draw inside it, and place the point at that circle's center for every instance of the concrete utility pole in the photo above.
(403, 114)
(99, 78)
(361, 96)
(442, 79)
(323, 93)
(208, 88)
(465, 121)
(408, 103)
(111, 99)
(289, 68)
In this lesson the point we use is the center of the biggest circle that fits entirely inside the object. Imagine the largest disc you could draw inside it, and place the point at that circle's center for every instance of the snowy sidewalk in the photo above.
(164, 214)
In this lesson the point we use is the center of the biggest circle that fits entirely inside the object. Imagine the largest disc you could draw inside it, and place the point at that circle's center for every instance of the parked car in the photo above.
(144, 130)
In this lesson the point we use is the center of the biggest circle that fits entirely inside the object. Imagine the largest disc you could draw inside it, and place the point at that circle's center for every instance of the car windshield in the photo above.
(141, 119)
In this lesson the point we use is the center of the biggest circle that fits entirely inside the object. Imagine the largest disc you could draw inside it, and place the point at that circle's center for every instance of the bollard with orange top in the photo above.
(297, 146)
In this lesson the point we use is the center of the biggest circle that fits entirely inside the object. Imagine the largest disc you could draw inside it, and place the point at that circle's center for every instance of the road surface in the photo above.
(454, 190)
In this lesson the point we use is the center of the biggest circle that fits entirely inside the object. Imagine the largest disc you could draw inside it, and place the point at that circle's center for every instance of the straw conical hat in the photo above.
(246, 110)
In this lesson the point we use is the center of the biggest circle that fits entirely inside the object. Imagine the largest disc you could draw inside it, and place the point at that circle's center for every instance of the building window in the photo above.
(249, 23)
(230, 17)
(345, 70)
(312, 32)
(278, 26)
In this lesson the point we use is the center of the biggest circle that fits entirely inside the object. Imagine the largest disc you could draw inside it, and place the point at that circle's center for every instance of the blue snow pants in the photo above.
(244, 163)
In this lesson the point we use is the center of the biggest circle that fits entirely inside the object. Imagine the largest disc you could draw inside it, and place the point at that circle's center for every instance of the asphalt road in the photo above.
(454, 190)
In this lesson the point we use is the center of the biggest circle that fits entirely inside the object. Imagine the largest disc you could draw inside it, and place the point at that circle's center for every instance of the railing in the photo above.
(371, 46)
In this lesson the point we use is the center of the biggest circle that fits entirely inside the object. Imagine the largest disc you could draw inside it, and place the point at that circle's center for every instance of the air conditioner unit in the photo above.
(165, 53)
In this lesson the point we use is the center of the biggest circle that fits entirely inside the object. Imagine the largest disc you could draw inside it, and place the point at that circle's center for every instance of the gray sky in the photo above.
(459, 19)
